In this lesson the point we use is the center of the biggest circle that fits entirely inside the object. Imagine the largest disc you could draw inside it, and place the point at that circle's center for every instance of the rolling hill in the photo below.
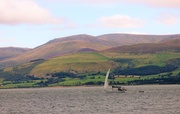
(53, 49)
(82, 43)
(81, 62)
(86, 62)
(166, 45)
(130, 39)
(10, 52)
(96, 61)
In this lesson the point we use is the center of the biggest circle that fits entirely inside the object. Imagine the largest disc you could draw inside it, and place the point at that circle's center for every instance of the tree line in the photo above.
(145, 70)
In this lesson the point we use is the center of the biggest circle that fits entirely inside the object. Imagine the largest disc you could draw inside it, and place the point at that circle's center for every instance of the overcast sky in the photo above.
(30, 23)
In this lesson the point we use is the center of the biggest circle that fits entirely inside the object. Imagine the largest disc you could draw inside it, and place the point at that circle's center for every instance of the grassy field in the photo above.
(91, 62)
(175, 72)
(79, 62)
(25, 84)
(24, 69)
(87, 64)
(139, 60)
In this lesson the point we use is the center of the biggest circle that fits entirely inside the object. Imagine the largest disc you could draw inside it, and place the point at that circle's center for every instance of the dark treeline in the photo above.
(122, 60)
(36, 60)
(146, 70)
(128, 62)
(49, 81)
(16, 77)
(167, 80)
(65, 75)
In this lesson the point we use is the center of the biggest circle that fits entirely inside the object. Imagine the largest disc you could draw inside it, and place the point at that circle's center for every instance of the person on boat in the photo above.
(124, 89)
(121, 89)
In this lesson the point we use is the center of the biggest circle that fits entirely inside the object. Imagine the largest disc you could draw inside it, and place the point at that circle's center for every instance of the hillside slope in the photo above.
(86, 62)
(10, 52)
(167, 45)
(130, 39)
(82, 43)
(76, 63)
(57, 48)
(100, 61)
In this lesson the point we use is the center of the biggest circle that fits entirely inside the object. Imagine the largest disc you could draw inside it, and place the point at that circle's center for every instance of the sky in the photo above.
(30, 23)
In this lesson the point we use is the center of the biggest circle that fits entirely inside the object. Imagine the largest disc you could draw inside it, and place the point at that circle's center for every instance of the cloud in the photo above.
(157, 3)
(97, 1)
(24, 12)
(168, 19)
(118, 21)
(86, 1)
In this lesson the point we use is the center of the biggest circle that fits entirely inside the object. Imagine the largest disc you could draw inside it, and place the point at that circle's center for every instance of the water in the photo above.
(156, 99)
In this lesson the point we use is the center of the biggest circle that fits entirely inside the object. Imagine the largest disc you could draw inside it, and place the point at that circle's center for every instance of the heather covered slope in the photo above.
(113, 40)
(130, 39)
(99, 61)
(81, 37)
(83, 62)
(84, 43)
(167, 45)
(55, 48)
(92, 62)
(9, 52)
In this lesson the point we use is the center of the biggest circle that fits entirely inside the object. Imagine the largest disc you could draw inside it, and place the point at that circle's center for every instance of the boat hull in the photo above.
(110, 90)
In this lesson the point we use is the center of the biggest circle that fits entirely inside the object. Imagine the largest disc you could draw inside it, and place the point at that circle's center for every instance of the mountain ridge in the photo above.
(81, 43)
(167, 45)
(9, 52)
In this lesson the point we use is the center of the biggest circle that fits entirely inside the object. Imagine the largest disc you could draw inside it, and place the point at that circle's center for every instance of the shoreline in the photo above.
(89, 86)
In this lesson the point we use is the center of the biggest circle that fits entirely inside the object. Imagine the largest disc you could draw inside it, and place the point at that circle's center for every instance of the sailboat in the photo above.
(106, 84)
(108, 88)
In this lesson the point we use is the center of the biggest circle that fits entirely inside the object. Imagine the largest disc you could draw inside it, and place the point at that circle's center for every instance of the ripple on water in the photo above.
(156, 99)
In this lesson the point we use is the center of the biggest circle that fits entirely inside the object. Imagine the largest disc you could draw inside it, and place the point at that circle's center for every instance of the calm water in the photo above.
(156, 99)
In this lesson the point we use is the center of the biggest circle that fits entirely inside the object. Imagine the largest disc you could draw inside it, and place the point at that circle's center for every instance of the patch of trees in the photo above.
(36, 60)
(122, 60)
(49, 81)
(42, 83)
(62, 75)
(16, 77)
(145, 70)
(165, 80)
(96, 73)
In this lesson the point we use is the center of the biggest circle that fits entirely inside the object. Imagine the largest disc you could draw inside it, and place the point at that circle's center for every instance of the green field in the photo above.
(23, 84)
(138, 60)
(79, 62)
(92, 65)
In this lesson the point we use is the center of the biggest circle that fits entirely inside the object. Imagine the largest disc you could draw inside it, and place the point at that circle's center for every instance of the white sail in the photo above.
(106, 85)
